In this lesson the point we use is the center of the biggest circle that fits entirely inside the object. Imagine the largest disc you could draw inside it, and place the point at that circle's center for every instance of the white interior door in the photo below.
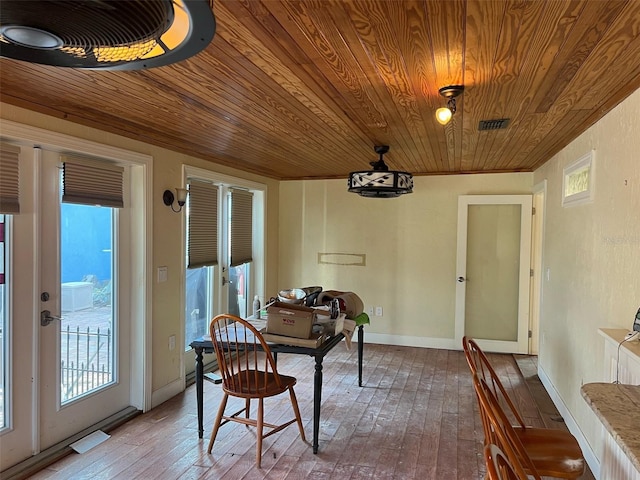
(492, 272)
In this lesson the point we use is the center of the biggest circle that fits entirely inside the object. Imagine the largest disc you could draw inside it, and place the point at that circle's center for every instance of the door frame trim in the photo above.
(537, 263)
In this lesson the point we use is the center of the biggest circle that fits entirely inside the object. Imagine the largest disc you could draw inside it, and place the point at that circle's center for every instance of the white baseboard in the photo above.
(411, 341)
(590, 457)
(165, 393)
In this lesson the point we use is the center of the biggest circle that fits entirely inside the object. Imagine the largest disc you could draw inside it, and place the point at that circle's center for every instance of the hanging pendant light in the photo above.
(380, 182)
(105, 34)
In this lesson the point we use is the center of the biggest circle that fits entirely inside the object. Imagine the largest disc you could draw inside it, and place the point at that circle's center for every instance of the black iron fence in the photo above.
(86, 360)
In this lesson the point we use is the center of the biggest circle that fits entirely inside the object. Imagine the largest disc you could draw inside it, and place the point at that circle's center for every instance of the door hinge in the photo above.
(531, 272)
(533, 210)
(530, 333)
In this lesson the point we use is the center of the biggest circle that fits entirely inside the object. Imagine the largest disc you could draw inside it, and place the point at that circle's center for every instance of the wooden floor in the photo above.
(415, 417)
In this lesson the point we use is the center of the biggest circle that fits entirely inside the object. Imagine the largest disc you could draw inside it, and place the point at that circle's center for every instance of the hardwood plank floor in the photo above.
(416, 416)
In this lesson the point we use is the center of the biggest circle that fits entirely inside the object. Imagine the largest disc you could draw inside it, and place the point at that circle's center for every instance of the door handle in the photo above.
(461, 279)
(46, 318)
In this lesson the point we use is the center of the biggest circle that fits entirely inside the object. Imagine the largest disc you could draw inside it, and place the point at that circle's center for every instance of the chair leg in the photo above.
(216, 425)
(259, 427)
(296, 410)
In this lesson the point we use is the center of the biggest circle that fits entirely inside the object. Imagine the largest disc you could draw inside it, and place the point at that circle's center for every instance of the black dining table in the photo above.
(203, 346)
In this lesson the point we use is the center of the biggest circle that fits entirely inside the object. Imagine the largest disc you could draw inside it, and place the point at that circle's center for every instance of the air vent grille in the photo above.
(496, 124)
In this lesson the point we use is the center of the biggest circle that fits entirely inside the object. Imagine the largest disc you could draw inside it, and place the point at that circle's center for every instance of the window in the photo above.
(578, 181)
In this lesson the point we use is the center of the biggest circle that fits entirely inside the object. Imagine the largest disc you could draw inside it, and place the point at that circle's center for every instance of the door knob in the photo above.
(46, 318)
(461, 279)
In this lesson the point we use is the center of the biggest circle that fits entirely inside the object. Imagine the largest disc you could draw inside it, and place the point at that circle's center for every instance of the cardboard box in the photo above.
(290, 320)
(314, 341)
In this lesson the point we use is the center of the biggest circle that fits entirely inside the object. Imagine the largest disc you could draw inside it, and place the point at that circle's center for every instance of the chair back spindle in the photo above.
(244, 358)
(499, 467)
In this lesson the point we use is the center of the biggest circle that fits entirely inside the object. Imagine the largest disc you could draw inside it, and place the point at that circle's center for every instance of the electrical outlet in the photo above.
(378, 311)
(172, 342)
(370, 311)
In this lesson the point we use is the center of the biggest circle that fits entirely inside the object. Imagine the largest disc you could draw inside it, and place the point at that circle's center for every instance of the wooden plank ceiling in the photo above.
(296, 89)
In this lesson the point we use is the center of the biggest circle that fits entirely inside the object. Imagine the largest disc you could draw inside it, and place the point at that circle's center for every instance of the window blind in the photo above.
(202, 240)
(92, 182)
(241, 227)
(9, 178)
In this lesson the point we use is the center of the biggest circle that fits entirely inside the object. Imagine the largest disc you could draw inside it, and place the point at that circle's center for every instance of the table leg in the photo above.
(360, 351)
(317, 397)
(199, 389)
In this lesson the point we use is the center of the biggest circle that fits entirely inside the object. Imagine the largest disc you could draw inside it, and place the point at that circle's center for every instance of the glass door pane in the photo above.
(87, 330)
(4, 327)
(238, 291)
(198, 302)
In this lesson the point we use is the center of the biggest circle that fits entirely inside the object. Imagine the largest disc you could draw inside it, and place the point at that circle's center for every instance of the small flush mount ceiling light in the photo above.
(181, 197)
(380, 182)
(444, 114)
(105, 34)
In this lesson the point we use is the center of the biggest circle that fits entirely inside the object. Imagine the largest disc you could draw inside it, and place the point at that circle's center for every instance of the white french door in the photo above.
(84, 359)
(84, 349)
(19, 435)
(492, 271)
(224, 288)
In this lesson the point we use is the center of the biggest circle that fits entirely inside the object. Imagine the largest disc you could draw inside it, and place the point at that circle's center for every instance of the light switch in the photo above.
(162, 274)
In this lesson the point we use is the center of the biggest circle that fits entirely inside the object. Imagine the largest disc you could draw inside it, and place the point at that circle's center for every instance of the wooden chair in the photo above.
(554, 453)
(499, 467)
(498, 431)
(248, 371)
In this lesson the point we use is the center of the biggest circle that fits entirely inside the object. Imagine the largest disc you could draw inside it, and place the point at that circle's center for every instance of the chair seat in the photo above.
(255, 385)
(554, 453)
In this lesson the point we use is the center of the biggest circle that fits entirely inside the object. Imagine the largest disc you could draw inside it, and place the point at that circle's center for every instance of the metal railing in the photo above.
(86, 361)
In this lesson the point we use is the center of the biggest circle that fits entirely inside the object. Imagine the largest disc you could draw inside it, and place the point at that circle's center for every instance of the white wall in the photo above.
(592, 254)
(409, 243)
